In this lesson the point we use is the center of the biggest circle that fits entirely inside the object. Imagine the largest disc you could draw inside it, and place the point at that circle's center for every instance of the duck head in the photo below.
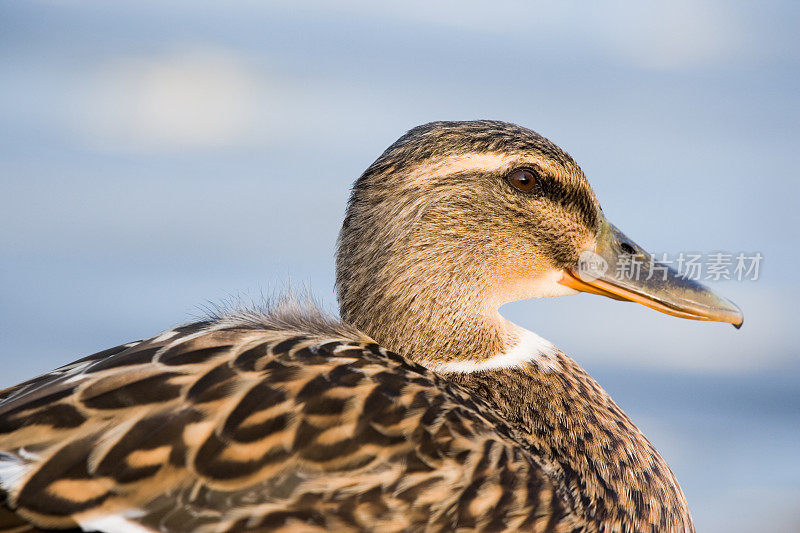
(456, 219)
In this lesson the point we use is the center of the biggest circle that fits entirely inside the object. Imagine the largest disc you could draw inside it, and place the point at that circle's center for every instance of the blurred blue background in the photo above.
(157, 156)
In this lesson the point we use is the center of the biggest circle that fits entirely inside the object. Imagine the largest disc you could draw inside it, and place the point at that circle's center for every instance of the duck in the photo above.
(419, 408)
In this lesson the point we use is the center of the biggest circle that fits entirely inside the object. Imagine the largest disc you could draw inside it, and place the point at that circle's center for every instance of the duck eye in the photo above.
(522, 180)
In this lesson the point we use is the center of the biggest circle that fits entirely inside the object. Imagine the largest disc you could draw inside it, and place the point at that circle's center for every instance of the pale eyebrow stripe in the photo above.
(469, 162)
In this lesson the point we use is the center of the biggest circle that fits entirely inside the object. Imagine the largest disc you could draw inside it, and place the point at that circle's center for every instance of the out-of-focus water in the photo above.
(157, 157)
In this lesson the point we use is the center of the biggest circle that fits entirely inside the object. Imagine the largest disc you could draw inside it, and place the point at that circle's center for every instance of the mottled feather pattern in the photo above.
(608, 470)
(232, 429)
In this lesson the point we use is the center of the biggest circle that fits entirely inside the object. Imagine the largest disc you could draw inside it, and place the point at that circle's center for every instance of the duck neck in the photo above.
(610, 472)
(435, 319)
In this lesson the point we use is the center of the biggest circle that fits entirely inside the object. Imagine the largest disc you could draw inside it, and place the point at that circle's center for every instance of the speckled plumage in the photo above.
(240, 427)
(289, 420)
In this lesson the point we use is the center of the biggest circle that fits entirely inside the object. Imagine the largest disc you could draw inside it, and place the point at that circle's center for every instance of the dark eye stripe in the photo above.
(569, 197)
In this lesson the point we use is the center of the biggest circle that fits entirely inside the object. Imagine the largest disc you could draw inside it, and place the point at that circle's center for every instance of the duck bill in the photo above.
(619, 268)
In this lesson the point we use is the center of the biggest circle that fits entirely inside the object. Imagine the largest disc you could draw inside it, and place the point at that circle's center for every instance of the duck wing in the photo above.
(209, 428)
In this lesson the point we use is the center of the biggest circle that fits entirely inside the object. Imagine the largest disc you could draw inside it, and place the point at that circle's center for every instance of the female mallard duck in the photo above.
(423, 409)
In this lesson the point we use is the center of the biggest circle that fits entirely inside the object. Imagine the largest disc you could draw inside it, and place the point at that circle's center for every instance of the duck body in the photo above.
(238, 425)
(421, 409)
